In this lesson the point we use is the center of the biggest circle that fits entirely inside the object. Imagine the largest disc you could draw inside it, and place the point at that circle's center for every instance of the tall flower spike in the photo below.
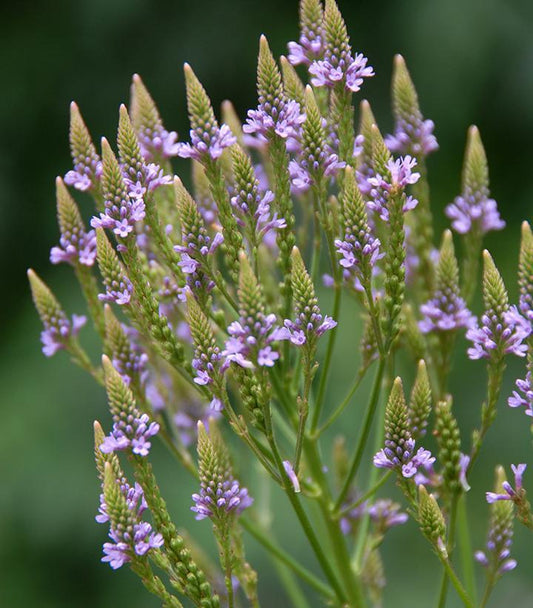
(316, 159)
(87, 165)
(292, 84)
(503, 329)
(496, 558)
(76, 246)
(360, 250)
(208, 140)
(221, 496)
(363, 153)
(207, 357)
(446, 310)
(399, 452)
(123, 506)
(338, 65)
(141, 179)
(525, 272)
(309, 323)
(420, 402)
(252, 335)
(127, 357)
(58, 330)
(118, 287)
(122, 210)
(449, 441)
(412, 134)
(251, 204)
(196, 245)
(155, 141)
(310, 45)
(131, 429)
(473, 211)
(275, 114)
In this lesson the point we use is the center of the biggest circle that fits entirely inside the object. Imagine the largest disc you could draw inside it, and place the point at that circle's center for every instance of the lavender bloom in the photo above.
(207, 141)
(220, 496)
(130, 431)
(498, 548)
(506, 334)
(385, 514)
(75, 247)
(197, 245)
(446, 311)
(340, 68)
(310, 45)
(510, 492)
(58, 331)
(278, 116)
(186, 420)
(358, 250)
(401, 455)
(291, 474)
(131, 362)
(157, 141)
(85, 173)
(401, 175)
(250, 339)
(413, 136)
(132, 536)
(526, 398)
(474, 209)
(303, 171)
(144, 179)
(119, 290)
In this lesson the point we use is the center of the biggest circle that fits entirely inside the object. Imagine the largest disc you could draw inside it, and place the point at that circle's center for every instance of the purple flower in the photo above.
(510, 492)
(156, 141)
(207, 141)
(281, 117)
(385, 514)
(75, 247)
(474, 210)
(129, 359)
(499, 333)
(58, 331)
(86, 173)
(130, 431)
(119, 290)
(446, 311)
(310, 45)
(340, 68)
(131, 536)
(219, 499)
(250, 339)
(121, 213)
(382, 187)
(399, 454)
(413, 135)
(309, 324)
(526, 398)
(292, 476)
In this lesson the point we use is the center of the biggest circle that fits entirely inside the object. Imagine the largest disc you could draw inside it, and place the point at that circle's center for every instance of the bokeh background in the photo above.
(472, 62)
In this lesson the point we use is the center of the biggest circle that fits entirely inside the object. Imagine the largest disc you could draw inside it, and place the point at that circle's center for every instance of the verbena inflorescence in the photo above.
(219, 296)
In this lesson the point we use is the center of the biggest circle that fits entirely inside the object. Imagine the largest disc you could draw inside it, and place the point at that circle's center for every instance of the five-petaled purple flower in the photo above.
(132, 537)
(75, 247)
(224, 497)
(525, 399)
(506, 334)
(207, 141)
(401, 455)
(58, 330)
(446, 311)
(510, 492)
(340, 68)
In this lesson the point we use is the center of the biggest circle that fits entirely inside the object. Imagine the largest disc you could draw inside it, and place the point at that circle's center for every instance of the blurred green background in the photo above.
(472, 62)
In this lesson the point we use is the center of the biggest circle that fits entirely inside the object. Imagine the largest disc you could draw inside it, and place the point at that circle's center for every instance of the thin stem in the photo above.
(327, 360)
(456, 582)
(361, 444)
(344, 403)
(285, 558)
(465, 549)
(451, 535)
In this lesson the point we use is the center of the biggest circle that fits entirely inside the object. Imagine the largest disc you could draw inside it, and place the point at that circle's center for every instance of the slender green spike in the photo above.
(373, 576)
(116, 507)
(404, 97)
(366, 120)
(49, 309)
(396, 415)
(475, 176)
(335, 29)
(495, 297)
(311, 15)
(250, 294)
(380, 152)
(128, 145)
(144, 113)
(118, 286)
(449, 440)
(431, 519)
(119, 395)
(86, 160)
(68, 214)
(199, 106)
(525, 269)
(420, 402)
(100, 458)
(292, 84)
(313, 132)
(112, 180)
(269, 81)
(447, 268)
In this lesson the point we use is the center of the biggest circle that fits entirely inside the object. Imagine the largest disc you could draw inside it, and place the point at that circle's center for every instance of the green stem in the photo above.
(361, 444)
(340, 408)
(456, 582)
(285, 558)
(451, 537)
(89, 287)
(465, 549)
(365, 496)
